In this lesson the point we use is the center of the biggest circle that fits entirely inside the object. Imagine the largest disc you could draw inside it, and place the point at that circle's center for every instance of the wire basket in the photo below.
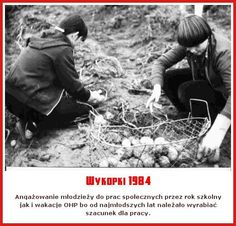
(174, 141)
(177, 131)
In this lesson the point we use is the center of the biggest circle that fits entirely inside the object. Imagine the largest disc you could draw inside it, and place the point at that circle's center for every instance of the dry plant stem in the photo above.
(140, 155)
(72, 147)
(81, 72)
(80, 119)
(110, 89)
(136, 107)
(83, 103)
(8, 134)
(91, 83)
(19, 45)
(95, 142)
(93, 114)
(30, 144)
(90, 152)
(123, 117)
(162, 113)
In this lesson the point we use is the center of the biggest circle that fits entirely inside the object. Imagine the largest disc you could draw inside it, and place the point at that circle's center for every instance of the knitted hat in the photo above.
(192, 31)
(74, 23)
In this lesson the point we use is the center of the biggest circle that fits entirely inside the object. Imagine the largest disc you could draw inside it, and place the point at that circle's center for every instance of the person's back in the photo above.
(33, 78)
(44, 69)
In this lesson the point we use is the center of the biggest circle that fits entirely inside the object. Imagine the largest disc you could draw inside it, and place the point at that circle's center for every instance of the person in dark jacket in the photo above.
(42, 73)
(208, 78)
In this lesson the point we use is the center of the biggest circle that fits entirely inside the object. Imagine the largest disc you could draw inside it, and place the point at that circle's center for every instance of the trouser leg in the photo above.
(22, 111)
(172, 80)
(28, 117)
(201, 90)
(65, 112)
(180, 88)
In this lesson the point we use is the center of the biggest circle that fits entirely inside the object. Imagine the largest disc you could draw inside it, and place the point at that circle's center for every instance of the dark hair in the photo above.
(192, 31)
(74, 23)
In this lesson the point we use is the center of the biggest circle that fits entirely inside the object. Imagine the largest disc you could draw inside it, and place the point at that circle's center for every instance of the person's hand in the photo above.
(154, 98)
(96, 97)
(210, 146)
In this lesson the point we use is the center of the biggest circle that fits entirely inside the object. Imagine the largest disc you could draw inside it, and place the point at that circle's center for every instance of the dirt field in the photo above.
(135, 36)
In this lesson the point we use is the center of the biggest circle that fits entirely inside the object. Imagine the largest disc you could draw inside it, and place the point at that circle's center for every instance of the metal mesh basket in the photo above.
(157, 140)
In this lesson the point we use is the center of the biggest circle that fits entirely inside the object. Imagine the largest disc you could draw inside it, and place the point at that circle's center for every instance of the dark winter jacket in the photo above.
(218, 66)
(41, 73)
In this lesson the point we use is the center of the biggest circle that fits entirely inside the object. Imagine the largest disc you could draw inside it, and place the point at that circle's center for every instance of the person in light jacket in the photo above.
(208, 77)
(44, 70)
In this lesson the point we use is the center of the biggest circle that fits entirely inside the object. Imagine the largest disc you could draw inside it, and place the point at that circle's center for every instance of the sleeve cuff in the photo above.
(83, 95)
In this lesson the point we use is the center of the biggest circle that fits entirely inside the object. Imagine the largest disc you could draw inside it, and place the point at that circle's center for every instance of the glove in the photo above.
(154, 98)
(96, 97)
(210, 145)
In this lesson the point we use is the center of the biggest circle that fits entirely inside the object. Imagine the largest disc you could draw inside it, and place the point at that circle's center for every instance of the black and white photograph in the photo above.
(118, 113)
(118, 85)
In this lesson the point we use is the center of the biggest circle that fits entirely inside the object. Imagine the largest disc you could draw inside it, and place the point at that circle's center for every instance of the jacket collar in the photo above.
(49, 42)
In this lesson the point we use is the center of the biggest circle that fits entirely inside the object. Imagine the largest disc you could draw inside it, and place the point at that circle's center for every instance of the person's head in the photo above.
(193, 33)
(74, 27)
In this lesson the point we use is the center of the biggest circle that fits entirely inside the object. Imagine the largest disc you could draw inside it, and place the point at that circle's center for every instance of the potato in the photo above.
(95, 164)
(146, 140)
(134, 141)
(137, 151)
(126, 142)
(113, 138)
(104, 163)
(128, 152)
(160, 141)
(131, 138)
(147, 133)
(145, 156)
(113, 161)
(172, 153)
(147, 160)
(99, 120)
(157, 165)
(119, 153)
(123, 164)
(164, 151)
(164, 161)
(160, 150)
(157, 152)
(109, 115)
(135, 162)
(184, 156)
(45, 157)
(178, 147)
(126, 133)
(183, 165)
(13, 143)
